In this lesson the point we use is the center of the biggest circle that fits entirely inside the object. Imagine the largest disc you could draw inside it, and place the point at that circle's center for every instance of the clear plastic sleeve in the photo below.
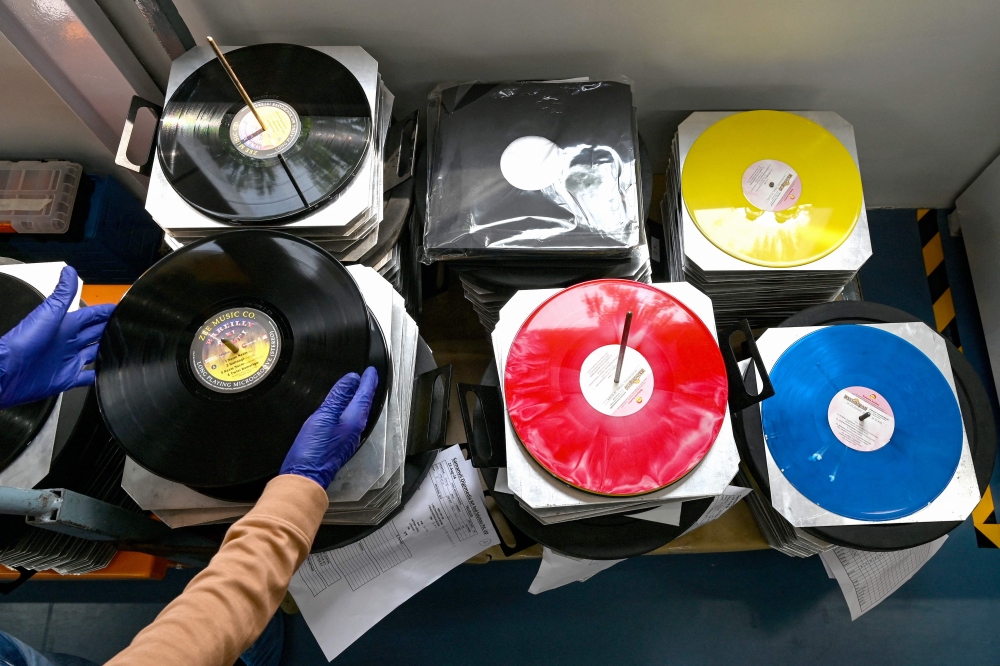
(532, 168)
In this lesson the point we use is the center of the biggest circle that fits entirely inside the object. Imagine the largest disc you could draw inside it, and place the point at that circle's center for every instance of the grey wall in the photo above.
(35, 123)
(919, 79)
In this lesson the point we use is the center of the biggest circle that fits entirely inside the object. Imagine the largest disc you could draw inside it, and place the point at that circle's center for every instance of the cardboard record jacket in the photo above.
(645, 432)
(772, 188)
(218, 159)
(216, 356)
(862, 423)
(19, 424)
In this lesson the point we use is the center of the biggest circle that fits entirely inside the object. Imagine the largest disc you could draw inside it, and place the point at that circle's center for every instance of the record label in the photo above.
(532, 163)
(861, 418)
(235, 350)
(771, 185)
(283, 129)
(634, 387)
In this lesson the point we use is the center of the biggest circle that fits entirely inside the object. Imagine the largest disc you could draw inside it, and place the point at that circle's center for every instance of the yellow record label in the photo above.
(772, 188)
(235, 349)
(283, 129)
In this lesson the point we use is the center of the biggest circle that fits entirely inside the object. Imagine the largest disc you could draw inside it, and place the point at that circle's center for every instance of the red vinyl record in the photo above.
(645, 432)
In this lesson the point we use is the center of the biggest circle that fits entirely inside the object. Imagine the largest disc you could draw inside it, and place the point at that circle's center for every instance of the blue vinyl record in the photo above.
(862, 423)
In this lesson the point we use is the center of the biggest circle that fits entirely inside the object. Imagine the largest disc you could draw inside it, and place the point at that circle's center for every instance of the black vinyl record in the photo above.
(218, 353)
(214, 154)
(611, 537)
(19, 424)
(973, 401)
(328, 537)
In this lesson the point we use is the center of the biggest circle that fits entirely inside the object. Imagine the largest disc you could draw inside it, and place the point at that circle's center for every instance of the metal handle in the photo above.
(429, 413)
(121, 158)
(491, 450)
(739, 397)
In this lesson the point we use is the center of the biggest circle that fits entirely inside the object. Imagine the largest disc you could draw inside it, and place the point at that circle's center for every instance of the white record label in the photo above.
(597, 381)
(532, 163)
(771, 185)
(861, 419)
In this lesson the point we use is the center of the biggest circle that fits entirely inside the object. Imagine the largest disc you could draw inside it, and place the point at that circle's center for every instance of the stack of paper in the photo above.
(344, 592)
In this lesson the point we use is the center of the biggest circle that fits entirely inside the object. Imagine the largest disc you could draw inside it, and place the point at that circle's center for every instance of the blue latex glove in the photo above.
(332, 434)
(45, 353)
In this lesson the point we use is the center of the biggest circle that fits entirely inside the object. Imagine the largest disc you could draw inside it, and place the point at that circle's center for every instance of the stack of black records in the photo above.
(252, 329)
(315, 171)
(534, 185)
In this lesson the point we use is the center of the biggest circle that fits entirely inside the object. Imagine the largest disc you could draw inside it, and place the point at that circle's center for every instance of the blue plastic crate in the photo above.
(111, 240)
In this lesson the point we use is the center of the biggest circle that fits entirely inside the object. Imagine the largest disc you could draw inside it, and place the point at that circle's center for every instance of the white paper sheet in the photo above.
(668, 514)
(345, 592)
(557, 570)
(867, 578)
(501, 484)
(722, 503)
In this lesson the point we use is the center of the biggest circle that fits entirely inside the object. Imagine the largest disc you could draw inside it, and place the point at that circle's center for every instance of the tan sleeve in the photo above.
(225, 607)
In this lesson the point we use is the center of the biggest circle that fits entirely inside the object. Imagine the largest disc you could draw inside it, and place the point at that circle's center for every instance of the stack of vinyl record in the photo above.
(879, 435)
(395, 256)
(581, 445)
(316, 171)
(219, 353)
(534, 185)
(764, 211)
(59, 442)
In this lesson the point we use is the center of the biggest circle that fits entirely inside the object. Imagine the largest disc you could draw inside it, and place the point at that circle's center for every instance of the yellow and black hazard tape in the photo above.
(937, 277)
(984, 517)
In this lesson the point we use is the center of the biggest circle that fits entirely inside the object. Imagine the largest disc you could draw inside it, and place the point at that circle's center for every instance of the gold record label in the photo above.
(283, 129)
(235, 349)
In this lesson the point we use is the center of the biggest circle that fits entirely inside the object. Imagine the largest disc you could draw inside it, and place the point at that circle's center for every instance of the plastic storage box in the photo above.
(37, 197)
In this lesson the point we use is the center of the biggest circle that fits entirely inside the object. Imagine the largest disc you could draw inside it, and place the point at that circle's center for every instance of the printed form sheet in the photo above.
(343, 593)
(868, 578)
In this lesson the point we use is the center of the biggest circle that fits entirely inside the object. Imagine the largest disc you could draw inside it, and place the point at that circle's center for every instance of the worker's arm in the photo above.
(226, 607)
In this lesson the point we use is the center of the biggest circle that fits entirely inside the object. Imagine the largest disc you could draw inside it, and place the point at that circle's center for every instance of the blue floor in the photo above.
(748, 608)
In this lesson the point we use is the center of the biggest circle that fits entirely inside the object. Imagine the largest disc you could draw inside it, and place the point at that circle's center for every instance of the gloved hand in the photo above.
(331, 435)
(45, 353)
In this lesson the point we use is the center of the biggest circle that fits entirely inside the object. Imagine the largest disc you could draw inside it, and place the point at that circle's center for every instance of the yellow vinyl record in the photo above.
(772, 188)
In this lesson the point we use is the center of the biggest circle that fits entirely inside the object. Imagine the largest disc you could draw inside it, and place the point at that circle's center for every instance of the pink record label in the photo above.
(861, 418)
(771, 185)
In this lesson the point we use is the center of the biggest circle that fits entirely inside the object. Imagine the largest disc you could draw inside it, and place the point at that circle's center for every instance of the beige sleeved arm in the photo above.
(226, 606)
